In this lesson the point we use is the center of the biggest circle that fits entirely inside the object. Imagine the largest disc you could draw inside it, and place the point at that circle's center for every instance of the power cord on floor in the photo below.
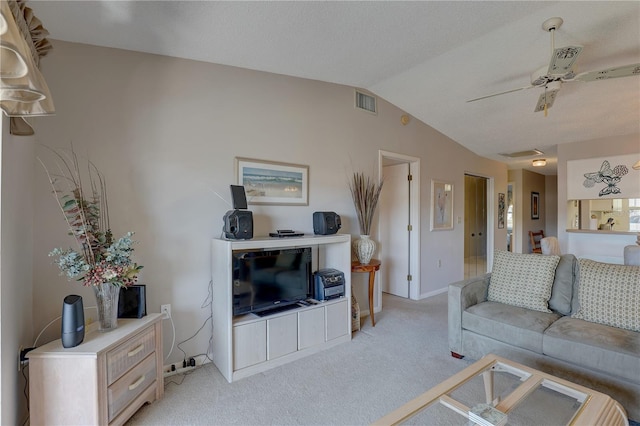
(208, 302)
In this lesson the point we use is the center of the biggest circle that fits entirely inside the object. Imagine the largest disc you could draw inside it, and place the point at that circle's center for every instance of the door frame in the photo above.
(414, 217)
(491, 216)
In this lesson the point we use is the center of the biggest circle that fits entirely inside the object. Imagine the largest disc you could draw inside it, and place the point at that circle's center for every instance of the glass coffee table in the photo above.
(520, 395)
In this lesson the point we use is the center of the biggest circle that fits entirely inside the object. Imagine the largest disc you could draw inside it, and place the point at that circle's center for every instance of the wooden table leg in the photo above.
(372, 279)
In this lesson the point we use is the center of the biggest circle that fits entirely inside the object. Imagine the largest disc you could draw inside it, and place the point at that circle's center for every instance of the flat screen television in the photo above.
(264, 280)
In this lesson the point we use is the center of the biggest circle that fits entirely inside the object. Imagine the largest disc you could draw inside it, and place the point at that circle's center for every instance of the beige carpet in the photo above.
(354, 383)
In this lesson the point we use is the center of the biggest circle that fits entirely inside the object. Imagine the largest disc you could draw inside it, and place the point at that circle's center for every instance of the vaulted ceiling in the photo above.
(428, 58)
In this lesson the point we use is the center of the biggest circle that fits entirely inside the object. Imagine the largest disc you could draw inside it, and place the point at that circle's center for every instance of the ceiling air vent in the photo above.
(519, 154)
(366, 102)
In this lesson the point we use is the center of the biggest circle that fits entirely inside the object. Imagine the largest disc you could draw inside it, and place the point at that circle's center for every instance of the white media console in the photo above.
(248, 344)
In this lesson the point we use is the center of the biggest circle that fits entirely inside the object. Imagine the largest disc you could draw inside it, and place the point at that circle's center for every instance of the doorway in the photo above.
(511, 216)
(399, 226)
(475, 226)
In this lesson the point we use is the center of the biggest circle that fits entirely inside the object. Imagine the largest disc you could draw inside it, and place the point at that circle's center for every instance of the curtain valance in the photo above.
(23, 90)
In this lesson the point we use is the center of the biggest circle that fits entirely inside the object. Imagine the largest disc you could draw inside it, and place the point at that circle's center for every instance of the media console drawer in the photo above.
(104, 380)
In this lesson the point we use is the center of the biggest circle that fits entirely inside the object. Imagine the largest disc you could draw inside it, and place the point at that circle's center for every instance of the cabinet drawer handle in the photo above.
(137, 383)
(136, 350)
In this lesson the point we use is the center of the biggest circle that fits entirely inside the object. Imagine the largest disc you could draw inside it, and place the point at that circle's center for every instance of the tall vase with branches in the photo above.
(98, 261)
(365, 192)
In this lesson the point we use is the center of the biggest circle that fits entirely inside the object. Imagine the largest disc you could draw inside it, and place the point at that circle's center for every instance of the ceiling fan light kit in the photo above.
(560, 70)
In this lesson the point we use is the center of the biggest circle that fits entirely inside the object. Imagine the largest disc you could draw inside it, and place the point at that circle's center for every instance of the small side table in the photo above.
(371, 268)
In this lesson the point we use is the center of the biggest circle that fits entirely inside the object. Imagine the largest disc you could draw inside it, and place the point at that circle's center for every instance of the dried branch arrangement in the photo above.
(365, 193)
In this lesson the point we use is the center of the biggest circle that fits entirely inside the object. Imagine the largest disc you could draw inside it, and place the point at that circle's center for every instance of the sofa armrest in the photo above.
(463, 294)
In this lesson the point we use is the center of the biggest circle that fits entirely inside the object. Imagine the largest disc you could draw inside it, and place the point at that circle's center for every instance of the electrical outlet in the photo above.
(166, 310)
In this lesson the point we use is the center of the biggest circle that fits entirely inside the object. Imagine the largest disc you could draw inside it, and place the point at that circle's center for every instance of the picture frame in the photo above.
(501, 208)
(535, 205)
(441, 205)
(273, 182)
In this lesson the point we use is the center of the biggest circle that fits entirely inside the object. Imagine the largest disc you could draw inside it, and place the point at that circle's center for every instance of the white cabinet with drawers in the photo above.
(104, 380)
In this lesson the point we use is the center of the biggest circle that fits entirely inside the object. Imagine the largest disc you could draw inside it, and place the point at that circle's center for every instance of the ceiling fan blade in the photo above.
(501, 93)
(546, 98)
(616, 72)
(563, 59)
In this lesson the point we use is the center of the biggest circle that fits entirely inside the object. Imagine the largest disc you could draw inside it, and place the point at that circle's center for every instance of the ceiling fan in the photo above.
(560, 70)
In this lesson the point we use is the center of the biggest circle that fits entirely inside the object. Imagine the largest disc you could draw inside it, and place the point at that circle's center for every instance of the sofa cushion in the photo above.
(609, 294)
(563, 284)
(601, 347)
(509, 324)
(523, 280)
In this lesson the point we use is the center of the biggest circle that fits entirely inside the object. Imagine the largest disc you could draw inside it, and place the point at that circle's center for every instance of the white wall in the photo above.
(16, 276)
(597, 246)
(551, 205)
(165, 132)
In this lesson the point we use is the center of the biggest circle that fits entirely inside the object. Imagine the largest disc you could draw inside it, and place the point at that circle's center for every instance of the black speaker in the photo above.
(238, 225)
(326, 223)
(72, 321)
(132, 302)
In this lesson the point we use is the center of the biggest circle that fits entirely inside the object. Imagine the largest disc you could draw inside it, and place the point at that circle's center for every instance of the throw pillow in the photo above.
(609, 294)
(522, 280)
(563, 283)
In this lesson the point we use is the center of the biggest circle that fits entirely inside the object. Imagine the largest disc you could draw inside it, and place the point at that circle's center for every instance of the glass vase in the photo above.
(364, 248)
(107, 296)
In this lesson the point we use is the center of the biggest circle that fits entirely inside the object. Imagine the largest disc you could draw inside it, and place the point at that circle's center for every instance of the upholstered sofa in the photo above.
(573, 318)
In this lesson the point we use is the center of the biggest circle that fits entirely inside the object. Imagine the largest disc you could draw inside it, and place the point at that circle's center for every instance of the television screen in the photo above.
(270, 279)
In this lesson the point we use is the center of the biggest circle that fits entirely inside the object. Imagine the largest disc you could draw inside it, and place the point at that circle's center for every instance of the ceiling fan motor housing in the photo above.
(552, 24)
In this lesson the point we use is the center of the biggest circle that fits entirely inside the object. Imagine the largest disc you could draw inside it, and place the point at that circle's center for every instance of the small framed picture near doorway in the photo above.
(535, 205)
(441, 205)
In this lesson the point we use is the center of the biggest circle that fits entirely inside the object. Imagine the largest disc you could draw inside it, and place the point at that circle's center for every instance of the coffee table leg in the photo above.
(488, 385)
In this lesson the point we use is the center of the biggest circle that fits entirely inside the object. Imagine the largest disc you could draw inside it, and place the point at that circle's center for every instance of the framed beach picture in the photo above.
(535, 205)
(274, 183)
(441, 205)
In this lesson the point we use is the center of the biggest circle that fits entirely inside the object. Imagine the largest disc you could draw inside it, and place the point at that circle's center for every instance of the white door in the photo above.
(394, 232)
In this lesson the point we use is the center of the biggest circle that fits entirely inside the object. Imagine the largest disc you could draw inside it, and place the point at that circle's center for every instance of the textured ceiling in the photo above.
(427, 58)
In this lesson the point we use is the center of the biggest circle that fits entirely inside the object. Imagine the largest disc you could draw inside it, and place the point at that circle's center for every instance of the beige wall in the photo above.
(165, 132)
(597, 246)
(16, 276)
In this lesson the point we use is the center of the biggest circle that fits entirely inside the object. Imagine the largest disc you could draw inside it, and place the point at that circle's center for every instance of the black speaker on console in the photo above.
(132, 302)
(326, 223)
(72, 321)
(238, 223)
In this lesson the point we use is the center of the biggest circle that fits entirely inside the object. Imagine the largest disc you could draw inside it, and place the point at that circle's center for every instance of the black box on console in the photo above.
(328, 284)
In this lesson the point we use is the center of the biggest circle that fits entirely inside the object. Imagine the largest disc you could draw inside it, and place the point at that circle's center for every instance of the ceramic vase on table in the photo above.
(107, 296)
(364, 248)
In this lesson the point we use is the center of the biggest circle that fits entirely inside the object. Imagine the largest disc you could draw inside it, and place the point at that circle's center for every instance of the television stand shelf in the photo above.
(249, 344)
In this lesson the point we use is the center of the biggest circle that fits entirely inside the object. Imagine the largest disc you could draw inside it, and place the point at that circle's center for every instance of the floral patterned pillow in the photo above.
(609, 294)
(523, 280)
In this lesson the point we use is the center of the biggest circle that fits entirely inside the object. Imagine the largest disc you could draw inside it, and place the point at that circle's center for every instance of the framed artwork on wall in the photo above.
(501, 207)
(535, 205)
(441, 205)
(273, 183)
